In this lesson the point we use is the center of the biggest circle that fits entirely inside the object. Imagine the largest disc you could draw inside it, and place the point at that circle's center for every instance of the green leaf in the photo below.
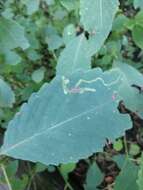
(140, 175)
(120, 160)
(50, 2)
(69, 33)
(118, 145)
(15, 182)
(134, 149)
(94, 177)
(65, 169)
(7, 97)
(137, 34)
(127, 177)
(12, 58)
(32, 6)
(131, 96)
(78, 111)
(38, 75)
(97, 17)
(40, 167)
(12, 35)
(138, 18)
(74, 57)
(54, 42)
(69, 5)
(138, 4)
(120, 23)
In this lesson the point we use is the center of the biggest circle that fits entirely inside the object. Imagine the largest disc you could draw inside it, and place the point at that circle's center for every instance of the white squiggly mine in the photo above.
(77, 89)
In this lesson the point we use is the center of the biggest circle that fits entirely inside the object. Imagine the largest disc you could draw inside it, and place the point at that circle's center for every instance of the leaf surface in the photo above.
(127, 177)
(140, 175)
(74, 57)
(7, 97)
(131, 95)
(97, 17)
(12, 34)
(94, 177)
(68, 119)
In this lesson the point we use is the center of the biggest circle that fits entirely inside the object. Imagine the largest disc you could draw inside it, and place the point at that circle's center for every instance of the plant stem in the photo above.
(6, 177)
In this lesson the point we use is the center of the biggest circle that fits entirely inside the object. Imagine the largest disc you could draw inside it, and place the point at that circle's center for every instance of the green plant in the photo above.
(73, 70)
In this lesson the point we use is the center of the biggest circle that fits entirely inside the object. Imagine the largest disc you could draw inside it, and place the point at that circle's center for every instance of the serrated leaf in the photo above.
(94, 177)
(7, 97)
(97, 17)
(12, 34)
(74, 57)
(76, 112)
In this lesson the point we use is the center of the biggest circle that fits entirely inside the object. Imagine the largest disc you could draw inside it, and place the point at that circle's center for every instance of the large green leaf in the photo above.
(74, 57)
(68, 119)
(97, 17)
(12, 34)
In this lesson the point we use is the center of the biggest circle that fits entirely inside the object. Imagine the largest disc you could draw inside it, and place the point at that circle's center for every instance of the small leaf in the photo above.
(97, 17)
(69, 33)
(137, 34)
(40, 167)
(50, 2)
(15, 182)
(138, 4)
(69, 5)
(118, 145)
(7, 97)
(54, 42)
(38, 75)
(134, 149)
(132, 97)
(94, 177)
(32, 6)
(12, 35)
(12, 58)
(65, 169)
(140, 175)
(127, 177)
